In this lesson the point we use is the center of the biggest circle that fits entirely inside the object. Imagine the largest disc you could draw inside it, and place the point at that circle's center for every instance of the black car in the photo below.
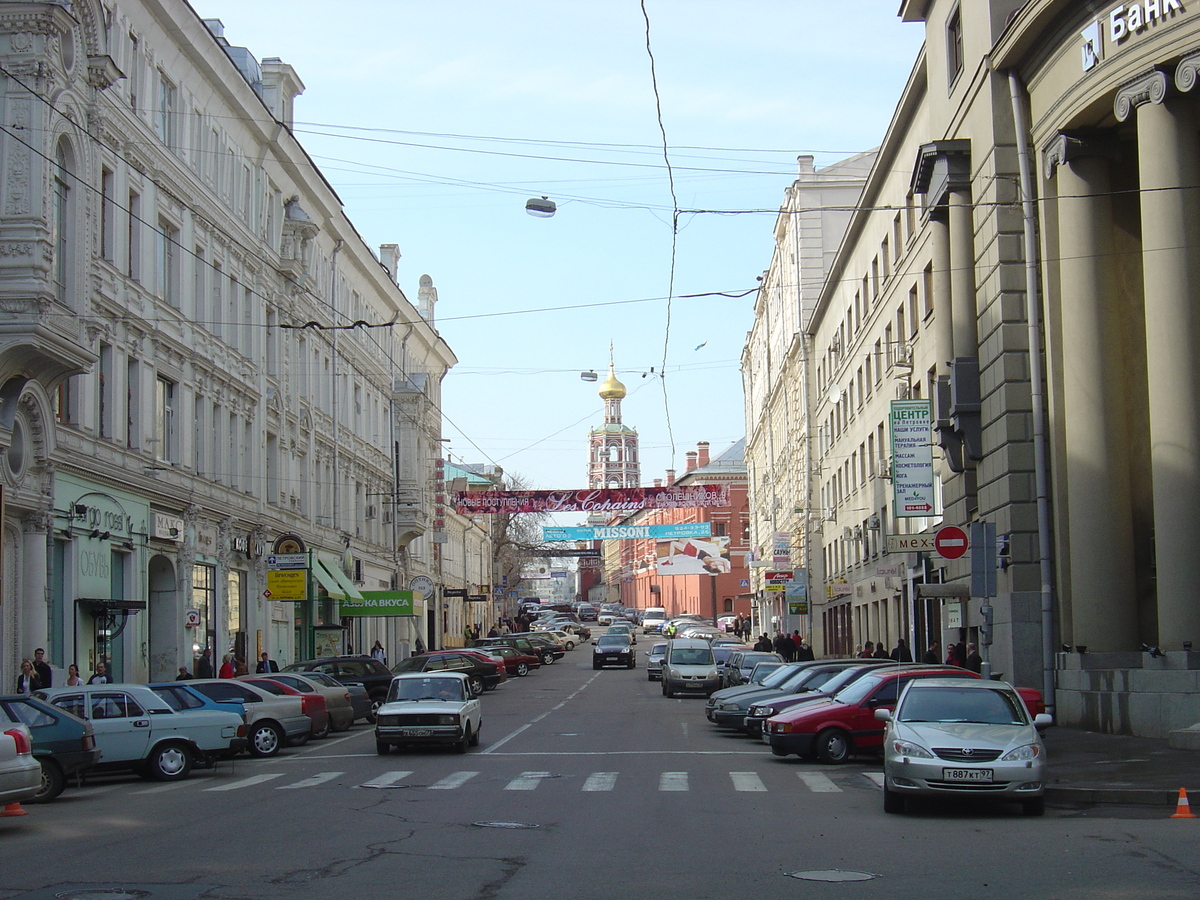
(364, 670)
(481, 675)
(613, 650)
(64, 744)
(525, 644)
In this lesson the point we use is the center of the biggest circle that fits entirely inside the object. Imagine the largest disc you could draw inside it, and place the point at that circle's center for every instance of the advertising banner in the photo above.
(911, 424)
(611, 500)
(694, 556)
(627, 532)
(379, 603)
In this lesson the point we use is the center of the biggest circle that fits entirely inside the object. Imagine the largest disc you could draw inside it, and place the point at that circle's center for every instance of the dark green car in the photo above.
(64, 744)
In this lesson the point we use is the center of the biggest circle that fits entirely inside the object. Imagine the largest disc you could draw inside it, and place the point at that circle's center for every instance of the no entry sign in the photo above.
(950, 542)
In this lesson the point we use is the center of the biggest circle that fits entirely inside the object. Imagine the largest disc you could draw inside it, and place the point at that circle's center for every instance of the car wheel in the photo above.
(475, 683)
(382, 748)
(833, 746)
(570, 645)
(778, 751)
(1035, 807)
(299, 740)
(893, 803)
(376, 702)
(346, 726)
(169, 762)
(465, 743)
(53, 782)
(323, 732)
(265, 740)
(475, 736)
(522, 669)
(547, 659)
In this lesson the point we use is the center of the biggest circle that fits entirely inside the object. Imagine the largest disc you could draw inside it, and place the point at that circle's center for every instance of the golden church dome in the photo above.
(611, 388)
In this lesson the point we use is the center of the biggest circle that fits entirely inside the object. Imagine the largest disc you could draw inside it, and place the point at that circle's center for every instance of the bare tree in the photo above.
(516, 537)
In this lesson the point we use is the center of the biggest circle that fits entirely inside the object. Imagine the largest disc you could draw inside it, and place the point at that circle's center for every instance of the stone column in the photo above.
(1099, 504)
(34, 602)
(943, 313)
(1169, 172)
(962, 274)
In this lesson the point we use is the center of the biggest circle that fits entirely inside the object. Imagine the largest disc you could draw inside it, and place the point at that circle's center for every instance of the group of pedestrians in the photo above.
(964, 656)
(790, 647)
(36, 674)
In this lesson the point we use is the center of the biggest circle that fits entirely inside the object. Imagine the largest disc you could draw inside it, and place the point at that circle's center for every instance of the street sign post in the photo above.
(951, 542)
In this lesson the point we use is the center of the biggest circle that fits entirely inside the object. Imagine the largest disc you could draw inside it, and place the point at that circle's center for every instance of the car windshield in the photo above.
(658, 649)
(779, 676)
(617, 643)
(948, 704)
(859, 690)
(427, 689)
(691, 656)
(840, 679)
(799, 678)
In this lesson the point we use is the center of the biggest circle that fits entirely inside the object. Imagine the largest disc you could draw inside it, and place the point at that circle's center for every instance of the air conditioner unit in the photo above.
(836, 344)
(858, 532)
(847, 534)
(885, 467)
(904, 356)
(873, 522)
(903, 390)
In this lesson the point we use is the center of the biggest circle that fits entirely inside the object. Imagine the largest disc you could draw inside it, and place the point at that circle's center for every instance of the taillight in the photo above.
(346, 696)
(241, 732)
(89, 742)
(305, 702)
(21, 740)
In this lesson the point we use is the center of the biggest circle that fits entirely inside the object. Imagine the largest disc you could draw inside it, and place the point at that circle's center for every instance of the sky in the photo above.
(435, 121)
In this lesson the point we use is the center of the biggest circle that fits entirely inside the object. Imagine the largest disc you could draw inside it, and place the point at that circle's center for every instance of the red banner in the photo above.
(610, 500)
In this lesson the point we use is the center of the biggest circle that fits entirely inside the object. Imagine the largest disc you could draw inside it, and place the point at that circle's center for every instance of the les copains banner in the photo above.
(609, 500)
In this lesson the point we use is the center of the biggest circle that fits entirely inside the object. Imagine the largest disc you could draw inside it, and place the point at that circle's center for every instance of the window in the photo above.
(135, 71)
(235, 594)
(927, 288)
(167, 262)
(165, 118)
(201, 440)
(164, 425)
(115, 706)
(61, 226)
(914, 313)
(954, 46)
(107, 213)
(133, 401)
(63, 400)
(204, 595)
(104, 387)
(133, 264)
(199, 285)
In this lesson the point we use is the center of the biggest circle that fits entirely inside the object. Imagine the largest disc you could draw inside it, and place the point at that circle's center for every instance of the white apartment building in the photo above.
(201, 362)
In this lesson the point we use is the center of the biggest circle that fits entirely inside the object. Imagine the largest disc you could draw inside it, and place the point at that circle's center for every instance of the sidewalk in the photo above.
(1114, 769)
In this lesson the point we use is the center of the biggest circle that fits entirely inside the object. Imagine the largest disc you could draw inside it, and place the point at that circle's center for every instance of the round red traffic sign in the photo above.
(950, 542)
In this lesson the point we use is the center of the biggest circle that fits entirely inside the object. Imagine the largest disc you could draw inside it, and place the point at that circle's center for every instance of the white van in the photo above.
(653, 619)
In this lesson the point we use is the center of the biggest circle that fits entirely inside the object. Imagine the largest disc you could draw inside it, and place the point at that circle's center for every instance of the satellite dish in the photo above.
(542, 207)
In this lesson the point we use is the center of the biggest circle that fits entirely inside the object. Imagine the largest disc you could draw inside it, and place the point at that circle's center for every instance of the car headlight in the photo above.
(1023, 753)
(908, 748)
(762, 711)
(727, 705)
(447, 720)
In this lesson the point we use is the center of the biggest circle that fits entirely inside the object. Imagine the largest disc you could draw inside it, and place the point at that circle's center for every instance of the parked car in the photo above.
(63, 744)
(522, 643)
(271, 722)
(312, 701)
(482, 672)
(654, 660)
(760, 673)
(545, 644)
(689, 667)
(516, 662)
(775, 680)
(957, 738)
(565, 638)
(337, 696)
(370, 673)
(20, 773)
(136, 730)
(826, 681)
(741, 663)
(429, 708)
(835, 728)
(613, 650)
(731, 713)
(722, 652)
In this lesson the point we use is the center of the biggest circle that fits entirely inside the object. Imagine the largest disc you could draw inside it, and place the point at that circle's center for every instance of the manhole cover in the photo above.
(102, 894)
(503, 825)
(833, 875)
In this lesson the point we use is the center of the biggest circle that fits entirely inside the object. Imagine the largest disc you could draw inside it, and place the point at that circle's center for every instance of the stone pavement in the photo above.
(1115, 769)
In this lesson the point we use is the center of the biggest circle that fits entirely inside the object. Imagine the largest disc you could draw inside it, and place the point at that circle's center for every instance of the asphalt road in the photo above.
(586, 785)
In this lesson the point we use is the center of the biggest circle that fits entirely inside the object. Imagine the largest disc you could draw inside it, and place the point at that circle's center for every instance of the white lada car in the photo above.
(429, 708)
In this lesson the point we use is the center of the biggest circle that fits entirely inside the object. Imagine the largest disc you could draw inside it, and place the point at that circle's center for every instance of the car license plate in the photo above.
(694, 686)
(416, 732)
(979, 775)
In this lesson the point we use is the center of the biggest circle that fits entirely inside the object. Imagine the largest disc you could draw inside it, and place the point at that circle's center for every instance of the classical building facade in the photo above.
(201, 362)
(1024, 257)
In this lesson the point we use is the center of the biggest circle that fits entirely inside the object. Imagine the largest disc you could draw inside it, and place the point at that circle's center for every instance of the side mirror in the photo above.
(593, 641)
(883, 715)
(1043, 720)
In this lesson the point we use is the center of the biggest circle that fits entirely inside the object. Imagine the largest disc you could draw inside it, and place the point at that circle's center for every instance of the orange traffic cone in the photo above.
(1183, 809)
(13, 809)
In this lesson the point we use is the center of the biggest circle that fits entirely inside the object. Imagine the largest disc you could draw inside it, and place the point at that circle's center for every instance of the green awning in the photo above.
(334, 581)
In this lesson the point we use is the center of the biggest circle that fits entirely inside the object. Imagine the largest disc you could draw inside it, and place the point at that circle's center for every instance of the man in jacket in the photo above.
(266, 665)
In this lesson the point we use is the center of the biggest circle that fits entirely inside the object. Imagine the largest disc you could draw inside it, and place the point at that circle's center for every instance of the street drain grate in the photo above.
(832, 875)
(503, 825)
(102, 894)
(110, 891)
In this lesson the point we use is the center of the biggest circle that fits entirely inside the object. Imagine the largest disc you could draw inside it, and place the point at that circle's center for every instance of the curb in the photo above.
(1115, 796)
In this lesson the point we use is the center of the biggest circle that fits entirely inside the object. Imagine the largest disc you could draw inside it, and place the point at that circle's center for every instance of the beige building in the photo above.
(1025, 258)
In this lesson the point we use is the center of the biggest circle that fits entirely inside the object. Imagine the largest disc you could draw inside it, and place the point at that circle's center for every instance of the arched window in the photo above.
(61, 220)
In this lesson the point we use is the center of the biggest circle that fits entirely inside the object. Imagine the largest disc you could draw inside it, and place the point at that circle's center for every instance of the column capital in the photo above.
(1187, 73)
(1149, 87)
(1068, 146)
(941, 168)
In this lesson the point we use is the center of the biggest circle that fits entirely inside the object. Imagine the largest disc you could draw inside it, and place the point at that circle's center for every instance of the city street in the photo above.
(586, 784)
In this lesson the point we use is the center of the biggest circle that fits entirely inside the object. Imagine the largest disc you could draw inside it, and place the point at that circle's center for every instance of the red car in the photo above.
(834, 728)
(517, 662)
(312, 704)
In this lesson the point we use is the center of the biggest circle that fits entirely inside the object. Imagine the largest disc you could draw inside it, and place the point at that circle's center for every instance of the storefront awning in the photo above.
(103, 606)
(334, 581)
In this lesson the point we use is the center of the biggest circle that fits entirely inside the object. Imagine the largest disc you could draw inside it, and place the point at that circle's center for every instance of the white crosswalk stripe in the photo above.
(450, 782)
(818, 783)
(747, 781)
(245, 782)
(319, 778)
(600, 781)
(673, 781)
(387, 779)
(526, 781)
(169, 786)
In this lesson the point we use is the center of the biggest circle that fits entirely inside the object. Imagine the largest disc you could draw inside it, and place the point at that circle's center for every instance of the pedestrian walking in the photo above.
(881, 650)
(746, 629)
(974, 662)
(804, 652)
(28, 681)
(933, 656)
(183, 674)
(868, 650)
(100, 676)
(226, 670)
(266, 665)
(901, 653)
(955, 655)
(73, 679)
(42, 668)
(204, 667)
(378, 653)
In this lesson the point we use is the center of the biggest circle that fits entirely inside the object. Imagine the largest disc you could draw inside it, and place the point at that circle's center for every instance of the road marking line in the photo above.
(673, 781)
(245, 782)
(319, 778)
(526, 781)
(818, 783)
(600, 781)
(747, 781)
(876, 777)
(450, 782)
(508, 737)
(163, 788)
(387, 778)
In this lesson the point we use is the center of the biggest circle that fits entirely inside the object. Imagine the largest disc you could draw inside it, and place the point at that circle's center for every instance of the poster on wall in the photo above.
(911, 426)
(327, 641)
(694, 556)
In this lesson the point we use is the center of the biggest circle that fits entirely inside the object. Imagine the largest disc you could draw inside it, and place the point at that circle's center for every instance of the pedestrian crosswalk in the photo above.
(594, 782)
